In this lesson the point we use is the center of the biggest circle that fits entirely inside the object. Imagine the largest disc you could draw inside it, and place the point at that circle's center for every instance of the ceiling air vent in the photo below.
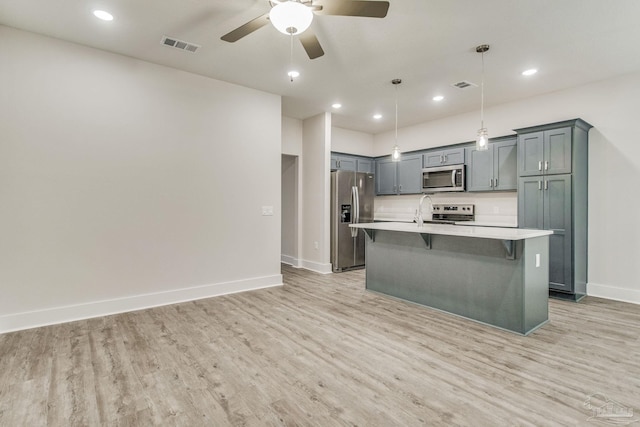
(464, 84)
(179, 44)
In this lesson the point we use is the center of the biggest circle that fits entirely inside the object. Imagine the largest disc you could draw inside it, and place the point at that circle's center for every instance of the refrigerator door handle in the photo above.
(356, 210)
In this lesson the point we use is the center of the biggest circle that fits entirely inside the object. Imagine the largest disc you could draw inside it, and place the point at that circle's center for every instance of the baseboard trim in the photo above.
(614, 293)
(289, 260)
(56, 315)
(316, 266)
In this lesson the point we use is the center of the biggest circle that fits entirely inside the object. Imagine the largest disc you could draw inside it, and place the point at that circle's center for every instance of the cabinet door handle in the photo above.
(546, 185)
(441, 158)
(490, 182)
(495, 183)
(445, 158)
(540, 165)
(401, 188)
(539, 185)
(546, 165)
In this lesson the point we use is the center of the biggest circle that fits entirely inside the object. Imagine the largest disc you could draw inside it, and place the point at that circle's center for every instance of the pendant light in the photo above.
(395, 153)
(291, 16)
(482, 140)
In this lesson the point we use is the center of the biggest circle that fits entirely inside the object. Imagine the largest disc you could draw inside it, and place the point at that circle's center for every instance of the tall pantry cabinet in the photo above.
(552, 195)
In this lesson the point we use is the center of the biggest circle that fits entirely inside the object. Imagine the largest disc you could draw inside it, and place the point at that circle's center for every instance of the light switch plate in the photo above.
(267, 210)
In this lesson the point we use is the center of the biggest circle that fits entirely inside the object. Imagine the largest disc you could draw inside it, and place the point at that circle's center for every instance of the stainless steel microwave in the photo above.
(443, 178)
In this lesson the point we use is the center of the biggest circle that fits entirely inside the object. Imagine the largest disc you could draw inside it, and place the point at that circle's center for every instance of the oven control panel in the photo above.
(456, 212)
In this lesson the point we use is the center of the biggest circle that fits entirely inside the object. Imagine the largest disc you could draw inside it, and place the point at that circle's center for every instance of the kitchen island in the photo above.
(497, 276)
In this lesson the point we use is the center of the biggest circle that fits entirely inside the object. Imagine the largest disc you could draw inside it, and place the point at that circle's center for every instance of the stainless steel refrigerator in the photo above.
(351, 203)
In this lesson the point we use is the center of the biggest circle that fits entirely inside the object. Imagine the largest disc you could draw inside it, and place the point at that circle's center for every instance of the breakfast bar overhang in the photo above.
(497, 276)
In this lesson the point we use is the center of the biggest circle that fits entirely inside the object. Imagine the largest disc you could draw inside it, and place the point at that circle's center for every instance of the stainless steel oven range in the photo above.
(452, 213)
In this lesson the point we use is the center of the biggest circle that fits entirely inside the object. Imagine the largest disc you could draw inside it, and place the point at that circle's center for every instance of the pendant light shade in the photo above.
(395, 152)
(291, 17)
(482, 139)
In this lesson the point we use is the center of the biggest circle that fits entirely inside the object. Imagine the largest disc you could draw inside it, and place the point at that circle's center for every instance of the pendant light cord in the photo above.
(396, 114)
(291, 58)
(482, 95)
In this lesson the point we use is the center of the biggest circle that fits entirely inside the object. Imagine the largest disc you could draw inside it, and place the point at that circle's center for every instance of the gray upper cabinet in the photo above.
(386, 177)
(505, 165)
(346, 162)
(399, 177)
(493, 169)
(552, 195)
(450, 156)
(545, 152)
(410, 175)
(365, 165)
(342, 162)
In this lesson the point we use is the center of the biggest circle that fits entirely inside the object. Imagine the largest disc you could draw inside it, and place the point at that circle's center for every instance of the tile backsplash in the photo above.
(499, 208)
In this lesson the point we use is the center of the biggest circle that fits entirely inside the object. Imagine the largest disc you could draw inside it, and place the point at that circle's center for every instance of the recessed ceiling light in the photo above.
(377, 116)
(438, 98)
(336, 105)
(529, 72)
(101, 14)
(293, 74)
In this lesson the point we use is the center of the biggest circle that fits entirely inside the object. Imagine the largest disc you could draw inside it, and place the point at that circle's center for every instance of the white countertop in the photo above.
(488, 224)
(500, 233)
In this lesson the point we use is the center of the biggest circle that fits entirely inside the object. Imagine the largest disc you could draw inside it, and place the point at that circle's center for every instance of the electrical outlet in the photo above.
(537, 260)
(267, 210)
(315, 245)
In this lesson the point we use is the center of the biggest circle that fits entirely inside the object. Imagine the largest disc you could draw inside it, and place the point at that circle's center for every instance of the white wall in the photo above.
(316, 153)
(351, 142)
(291, 136)
(611, 106)
(291, 191)
(289, 227)
(126, 184)
(292, 232)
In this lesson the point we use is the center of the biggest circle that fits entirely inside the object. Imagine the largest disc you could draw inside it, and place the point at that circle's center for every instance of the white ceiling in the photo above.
(429, 44)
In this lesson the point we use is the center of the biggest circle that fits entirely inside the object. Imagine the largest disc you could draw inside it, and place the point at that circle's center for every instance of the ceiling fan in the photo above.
(302, 12)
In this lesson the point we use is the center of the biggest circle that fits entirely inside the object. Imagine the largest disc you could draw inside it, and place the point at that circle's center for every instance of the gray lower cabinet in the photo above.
(544, 202)
(399, 177)
(451, 156)
(552, 195)
(493, 169)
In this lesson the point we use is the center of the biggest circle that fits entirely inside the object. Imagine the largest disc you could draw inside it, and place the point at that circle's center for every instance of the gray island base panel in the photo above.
(499, 278)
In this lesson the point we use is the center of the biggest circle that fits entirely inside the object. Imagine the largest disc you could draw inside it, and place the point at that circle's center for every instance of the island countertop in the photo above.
(499, 233)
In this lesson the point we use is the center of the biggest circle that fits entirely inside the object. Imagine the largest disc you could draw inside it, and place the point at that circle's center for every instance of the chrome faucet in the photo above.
(418, 218)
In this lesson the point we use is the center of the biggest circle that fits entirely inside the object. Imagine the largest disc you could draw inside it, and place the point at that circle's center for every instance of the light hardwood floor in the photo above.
(319, 351)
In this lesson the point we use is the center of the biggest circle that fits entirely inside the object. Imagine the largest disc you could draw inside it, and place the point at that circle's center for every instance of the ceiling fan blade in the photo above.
(369, 9)
(311, 44)
(246, 29)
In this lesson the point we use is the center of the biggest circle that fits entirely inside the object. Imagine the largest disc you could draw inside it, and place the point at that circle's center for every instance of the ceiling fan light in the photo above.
(291, 17)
